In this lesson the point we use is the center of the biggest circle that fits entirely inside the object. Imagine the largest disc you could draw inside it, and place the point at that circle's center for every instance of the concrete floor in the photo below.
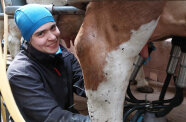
(178, 114)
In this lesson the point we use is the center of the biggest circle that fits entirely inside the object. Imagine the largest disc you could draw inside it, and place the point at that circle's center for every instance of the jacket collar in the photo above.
(45, 57)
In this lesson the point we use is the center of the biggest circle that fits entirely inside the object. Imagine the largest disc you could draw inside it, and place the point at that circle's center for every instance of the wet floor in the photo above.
(178, 114)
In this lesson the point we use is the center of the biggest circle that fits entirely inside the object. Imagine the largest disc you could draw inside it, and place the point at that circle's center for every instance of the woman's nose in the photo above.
(51, 35)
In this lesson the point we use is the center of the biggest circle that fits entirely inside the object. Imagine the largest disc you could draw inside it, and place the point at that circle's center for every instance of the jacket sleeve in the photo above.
(78, 82)
(35, 103)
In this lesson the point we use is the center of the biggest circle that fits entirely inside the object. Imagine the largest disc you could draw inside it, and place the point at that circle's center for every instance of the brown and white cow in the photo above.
(111, 36)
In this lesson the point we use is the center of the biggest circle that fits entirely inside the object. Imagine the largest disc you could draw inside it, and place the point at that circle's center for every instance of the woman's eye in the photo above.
(53, 27)
(40, 34)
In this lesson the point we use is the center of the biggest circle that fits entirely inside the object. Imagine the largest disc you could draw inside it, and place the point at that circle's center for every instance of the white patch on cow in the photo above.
(140, 78)
(106, 104)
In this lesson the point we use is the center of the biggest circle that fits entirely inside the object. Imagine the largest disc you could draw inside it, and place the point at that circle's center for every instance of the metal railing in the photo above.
(9, 10)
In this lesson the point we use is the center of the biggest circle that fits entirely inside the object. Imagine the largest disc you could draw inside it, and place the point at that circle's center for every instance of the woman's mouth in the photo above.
(53, 44)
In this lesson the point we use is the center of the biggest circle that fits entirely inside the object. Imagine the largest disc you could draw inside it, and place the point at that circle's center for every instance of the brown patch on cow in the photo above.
(69, 26)
(91, 60)
(115, 20)
(172, 21)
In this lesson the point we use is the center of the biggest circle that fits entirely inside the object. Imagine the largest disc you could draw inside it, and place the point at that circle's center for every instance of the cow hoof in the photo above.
(133, 82)
(145, 89)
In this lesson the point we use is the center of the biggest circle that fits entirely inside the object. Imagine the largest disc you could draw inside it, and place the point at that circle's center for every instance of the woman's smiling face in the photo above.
(46, 38)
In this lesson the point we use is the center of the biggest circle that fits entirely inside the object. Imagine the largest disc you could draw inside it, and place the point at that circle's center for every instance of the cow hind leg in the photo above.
(106, 73)
(106, 103)
(142, 83)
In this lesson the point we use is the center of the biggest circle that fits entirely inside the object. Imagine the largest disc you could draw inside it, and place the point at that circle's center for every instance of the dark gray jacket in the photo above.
(43, 85)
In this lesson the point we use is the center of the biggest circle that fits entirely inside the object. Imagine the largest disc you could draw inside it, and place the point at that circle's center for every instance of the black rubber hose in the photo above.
(137, 115)
(129, 93)
(137, 107)
(132, 98)
(162, 102)
(156, 108)
(178, 99)
(127, 107)
(165, 86)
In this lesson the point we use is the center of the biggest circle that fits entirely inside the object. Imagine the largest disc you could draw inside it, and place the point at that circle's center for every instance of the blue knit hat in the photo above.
(30, 17)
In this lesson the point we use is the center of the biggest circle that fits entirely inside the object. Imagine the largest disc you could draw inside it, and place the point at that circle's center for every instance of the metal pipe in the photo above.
(137, 65)
(174, 58)
(181, 80)
(2, 16)
(81, 1)
(67, 10)
(15, 2)
(55, 10)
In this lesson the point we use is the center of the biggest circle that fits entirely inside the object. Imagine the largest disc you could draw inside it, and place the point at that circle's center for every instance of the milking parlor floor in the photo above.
(178, 114)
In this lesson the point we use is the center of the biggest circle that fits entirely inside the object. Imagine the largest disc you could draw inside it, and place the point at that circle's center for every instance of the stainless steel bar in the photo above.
(173, 60)
(2, 16)
(14, 2)
(78, 1)
(67, 10)
(81, 1)
(11, 9)
(181, 80)
(55, 10)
